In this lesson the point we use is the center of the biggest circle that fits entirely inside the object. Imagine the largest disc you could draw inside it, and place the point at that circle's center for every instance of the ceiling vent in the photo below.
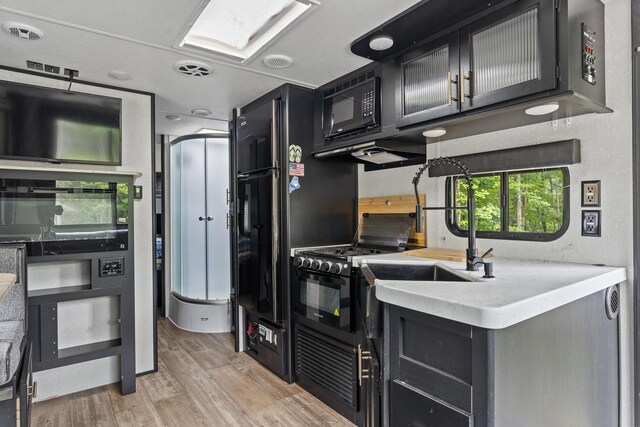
(194, 68)
(22, 31)
(277, 61)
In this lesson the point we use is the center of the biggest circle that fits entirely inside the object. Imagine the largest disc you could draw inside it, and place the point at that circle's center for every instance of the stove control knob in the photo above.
(297, 261)
(336, 268)
(315, 264)
(306, 263)
(325, 266)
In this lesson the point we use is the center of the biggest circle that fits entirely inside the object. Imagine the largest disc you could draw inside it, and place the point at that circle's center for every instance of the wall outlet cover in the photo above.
(591, 223)
(590, 193)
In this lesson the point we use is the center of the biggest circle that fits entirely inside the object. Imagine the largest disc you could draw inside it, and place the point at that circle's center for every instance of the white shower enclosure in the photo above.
(200, 253)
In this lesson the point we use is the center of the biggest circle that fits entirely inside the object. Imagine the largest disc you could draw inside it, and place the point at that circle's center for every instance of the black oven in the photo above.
(352, 109)
(324, 298)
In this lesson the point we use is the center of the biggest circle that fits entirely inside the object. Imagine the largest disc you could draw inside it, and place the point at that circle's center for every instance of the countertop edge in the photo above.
(498, 317)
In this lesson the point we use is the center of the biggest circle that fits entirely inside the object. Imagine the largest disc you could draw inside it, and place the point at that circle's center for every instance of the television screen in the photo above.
(53, 125)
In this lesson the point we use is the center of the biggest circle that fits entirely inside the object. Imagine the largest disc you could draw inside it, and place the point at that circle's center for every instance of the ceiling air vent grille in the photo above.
(194, 68)
(277, 61)
(22, 31)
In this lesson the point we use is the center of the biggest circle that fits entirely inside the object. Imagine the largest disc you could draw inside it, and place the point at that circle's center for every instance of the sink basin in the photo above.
(429, 272)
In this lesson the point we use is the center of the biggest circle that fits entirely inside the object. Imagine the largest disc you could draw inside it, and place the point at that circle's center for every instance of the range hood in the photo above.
(381, 152)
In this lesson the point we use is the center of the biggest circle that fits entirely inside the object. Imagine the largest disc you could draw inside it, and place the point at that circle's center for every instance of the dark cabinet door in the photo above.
(427, 82)
(257, 245)
(410, 406)
(508, 54)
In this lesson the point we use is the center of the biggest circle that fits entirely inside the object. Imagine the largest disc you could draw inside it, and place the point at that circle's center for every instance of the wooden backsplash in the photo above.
(396, 204)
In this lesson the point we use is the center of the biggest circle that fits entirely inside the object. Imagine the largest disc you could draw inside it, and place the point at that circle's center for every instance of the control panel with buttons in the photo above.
(588, 55)
(333, 266)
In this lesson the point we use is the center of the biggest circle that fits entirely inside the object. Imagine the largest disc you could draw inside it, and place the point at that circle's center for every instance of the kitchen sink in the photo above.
(423, 272)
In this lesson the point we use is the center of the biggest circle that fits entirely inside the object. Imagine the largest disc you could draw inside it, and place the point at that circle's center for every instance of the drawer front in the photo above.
(432, 354)
(412, 407)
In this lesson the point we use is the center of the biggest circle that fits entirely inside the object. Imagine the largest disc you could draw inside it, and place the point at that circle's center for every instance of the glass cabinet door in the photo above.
(428, 80)
(508, 54)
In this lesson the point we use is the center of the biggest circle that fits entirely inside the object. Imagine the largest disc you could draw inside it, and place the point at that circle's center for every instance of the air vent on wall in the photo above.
(277, 61)
(194, 68)
(612, 302)
(22, 31)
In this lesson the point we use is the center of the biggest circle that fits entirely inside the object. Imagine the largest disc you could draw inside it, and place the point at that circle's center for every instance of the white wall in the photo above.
(606, 156)
(136, 157)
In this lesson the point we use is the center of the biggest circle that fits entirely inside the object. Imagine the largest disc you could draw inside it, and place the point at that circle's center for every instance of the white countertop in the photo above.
(520, 291)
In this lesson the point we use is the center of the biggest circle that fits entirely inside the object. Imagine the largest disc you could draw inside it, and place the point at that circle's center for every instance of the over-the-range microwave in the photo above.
(352, 109)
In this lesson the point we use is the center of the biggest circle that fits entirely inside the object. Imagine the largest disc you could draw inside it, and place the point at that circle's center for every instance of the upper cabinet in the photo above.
(505, 55)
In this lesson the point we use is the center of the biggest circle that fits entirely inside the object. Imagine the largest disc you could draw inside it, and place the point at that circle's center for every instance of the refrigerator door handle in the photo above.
(275, 207)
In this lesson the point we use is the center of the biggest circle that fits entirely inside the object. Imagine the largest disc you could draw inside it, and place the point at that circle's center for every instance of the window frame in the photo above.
(504, 233)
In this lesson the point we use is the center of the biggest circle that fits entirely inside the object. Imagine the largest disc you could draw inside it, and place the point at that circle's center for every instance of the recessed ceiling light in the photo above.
(23, 31)
(434, 133)
(201, 112)
(381, 42)
(541, 110)
(173, 117)
(207, 130)
(119, 75)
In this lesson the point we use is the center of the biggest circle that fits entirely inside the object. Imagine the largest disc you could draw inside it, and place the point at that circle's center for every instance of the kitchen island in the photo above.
(534, 346)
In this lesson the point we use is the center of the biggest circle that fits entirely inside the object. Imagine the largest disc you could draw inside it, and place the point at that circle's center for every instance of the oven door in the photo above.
(325, 299)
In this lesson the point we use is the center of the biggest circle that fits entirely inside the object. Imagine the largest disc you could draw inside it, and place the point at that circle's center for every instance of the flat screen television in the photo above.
(52, 125)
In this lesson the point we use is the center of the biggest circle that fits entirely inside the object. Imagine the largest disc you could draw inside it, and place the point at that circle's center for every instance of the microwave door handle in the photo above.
(332, 123)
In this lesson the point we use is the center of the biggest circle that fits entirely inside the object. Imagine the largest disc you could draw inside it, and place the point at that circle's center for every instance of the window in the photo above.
(518, 205)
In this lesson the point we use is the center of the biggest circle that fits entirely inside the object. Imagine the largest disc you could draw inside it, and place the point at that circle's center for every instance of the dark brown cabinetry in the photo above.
(505, 55)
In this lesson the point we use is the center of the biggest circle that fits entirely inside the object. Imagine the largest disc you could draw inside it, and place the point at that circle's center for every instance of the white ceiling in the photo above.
(138, 37)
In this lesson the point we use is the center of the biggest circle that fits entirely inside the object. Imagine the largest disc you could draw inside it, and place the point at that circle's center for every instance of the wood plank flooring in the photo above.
(200, 381)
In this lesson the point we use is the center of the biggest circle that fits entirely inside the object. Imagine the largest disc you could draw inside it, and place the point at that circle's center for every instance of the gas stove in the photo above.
(335, 260)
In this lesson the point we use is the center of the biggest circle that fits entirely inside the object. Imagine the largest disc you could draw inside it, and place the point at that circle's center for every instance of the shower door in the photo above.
(201, 259)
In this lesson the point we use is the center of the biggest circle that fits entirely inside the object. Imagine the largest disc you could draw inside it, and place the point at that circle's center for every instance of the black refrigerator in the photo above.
(283, 198)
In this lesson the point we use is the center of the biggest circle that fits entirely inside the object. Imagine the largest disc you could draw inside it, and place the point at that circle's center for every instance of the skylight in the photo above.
(241, 28)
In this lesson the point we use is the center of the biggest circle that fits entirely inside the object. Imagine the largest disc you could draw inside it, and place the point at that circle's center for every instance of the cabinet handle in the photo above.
(228, 200)
(32, 390)
(228, 221)
(200, 218)
(463, 78)
(209, 218)
(449, 89)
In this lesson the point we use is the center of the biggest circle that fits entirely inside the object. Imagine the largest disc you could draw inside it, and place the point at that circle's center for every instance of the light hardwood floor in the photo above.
(200, 381)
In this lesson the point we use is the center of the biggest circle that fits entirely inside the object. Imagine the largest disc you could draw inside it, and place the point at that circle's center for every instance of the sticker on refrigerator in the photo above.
(295, 153)
(294, 184)
(296, 169)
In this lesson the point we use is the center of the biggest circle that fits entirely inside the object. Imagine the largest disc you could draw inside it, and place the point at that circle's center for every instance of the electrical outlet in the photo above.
(591, 223)
(590, 193)
(68, 72)
(35, 65)
(52, 69)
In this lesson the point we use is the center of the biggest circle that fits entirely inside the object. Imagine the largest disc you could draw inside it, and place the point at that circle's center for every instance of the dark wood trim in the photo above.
(635, 55)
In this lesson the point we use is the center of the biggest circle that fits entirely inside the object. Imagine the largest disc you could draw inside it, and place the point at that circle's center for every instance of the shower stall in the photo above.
(200, 250)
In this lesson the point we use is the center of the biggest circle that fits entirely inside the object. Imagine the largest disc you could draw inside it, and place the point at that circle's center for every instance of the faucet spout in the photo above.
(473, 260)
